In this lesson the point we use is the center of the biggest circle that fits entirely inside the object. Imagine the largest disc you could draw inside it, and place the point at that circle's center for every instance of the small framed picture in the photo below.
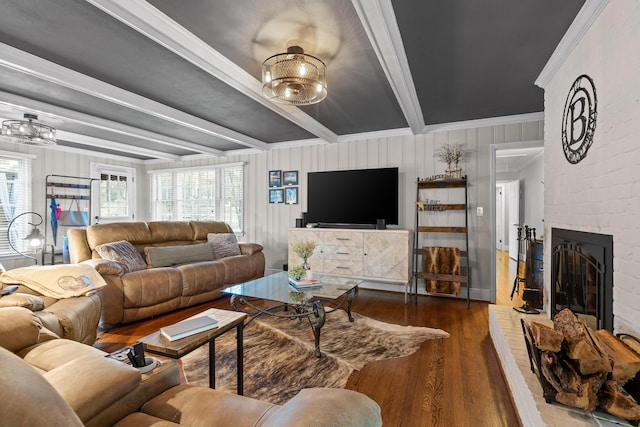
(289, 178)
(275, 178)
(276, 195)
(291, 195)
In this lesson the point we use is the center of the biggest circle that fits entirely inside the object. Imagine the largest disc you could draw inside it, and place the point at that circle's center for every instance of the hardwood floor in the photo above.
(455, 381)
(505, 275)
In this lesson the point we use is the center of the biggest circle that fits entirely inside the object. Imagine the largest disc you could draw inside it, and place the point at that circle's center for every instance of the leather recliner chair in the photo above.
(57, 382)
(73, 318)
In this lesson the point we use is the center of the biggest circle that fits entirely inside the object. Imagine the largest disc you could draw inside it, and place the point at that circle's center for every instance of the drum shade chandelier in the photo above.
(28, 131)
(294, 78)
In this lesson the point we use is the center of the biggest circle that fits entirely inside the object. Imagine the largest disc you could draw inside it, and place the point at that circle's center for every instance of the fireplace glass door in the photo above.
(580, 263)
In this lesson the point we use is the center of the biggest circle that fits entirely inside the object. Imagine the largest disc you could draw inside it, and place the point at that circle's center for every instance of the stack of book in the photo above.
(188, 327)
(304, 283)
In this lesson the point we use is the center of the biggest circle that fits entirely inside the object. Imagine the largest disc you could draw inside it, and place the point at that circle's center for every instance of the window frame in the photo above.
(97, 169)
(22, 203)
(220, 192)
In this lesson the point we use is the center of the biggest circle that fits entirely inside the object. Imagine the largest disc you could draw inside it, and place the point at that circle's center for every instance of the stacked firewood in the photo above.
(587, 369)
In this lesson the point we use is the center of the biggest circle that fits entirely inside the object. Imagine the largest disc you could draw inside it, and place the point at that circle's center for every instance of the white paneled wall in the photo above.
(413, 155)
(57, 162)
(268, 223)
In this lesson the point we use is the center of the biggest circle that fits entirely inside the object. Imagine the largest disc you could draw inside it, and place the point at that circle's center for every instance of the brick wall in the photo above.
(601, 194)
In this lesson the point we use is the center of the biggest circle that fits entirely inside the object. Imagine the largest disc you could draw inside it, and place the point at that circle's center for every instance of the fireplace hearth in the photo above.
(582, 276)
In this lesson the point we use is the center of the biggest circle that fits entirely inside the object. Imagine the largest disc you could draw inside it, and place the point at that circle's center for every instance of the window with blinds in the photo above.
(15, 199)
(212, 193)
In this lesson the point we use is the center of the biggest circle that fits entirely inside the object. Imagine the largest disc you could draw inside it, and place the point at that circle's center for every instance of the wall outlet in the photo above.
(479, 211)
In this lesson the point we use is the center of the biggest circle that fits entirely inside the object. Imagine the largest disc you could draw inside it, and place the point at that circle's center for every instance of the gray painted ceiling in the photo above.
(166, 79)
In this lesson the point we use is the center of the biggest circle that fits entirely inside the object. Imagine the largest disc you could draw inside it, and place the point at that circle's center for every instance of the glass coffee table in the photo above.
(331, 294)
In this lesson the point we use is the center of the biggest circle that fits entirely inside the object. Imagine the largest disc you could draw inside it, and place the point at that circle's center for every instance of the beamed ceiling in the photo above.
(170, 80)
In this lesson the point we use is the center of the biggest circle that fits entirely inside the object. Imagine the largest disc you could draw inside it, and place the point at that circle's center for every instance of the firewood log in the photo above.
(547, 362)
(597, 381)
(567, 323)
(626, 362)
(570, 379)
(617, 402)
(585, 399)
(631, 343)
(600, 361)
(559, 373)
(582, 346)
(546, 338)
(594, 384)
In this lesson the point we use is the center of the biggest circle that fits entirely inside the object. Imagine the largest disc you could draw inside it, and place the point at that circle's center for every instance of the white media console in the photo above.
(377, 255)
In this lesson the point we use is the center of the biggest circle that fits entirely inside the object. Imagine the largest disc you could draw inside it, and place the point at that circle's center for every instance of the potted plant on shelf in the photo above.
(297, 272)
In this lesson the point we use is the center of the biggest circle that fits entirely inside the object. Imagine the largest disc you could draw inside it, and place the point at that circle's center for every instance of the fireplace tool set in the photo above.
(532, 293)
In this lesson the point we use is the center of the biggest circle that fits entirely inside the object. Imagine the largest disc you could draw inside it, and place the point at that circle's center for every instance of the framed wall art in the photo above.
(291, 195)
(275, 178)
(289, 178)
(276, 195)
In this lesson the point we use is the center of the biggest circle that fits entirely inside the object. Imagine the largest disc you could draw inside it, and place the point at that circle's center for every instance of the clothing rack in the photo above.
(63, 187)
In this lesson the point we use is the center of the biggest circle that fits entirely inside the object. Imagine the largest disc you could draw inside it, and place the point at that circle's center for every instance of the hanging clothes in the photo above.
(54, 218)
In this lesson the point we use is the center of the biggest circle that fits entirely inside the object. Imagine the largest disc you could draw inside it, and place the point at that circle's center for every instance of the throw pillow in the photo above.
(124, 253)
(166, 256)
(223, 244)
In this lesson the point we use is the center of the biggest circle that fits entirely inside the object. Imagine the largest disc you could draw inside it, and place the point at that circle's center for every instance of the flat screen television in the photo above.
(352, 198)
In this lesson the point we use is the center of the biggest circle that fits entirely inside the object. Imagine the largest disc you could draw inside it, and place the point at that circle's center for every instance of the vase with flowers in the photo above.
(304, 249)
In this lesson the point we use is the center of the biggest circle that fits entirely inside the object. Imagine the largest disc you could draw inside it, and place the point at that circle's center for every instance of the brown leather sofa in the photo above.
(136, 295)
(57, 382)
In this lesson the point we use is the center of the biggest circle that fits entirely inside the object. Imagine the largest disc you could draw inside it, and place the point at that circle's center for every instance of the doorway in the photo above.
(501, 242)
(518, 199)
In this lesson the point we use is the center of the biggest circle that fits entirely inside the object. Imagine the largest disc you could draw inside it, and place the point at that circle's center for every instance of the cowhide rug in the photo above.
(279, 358)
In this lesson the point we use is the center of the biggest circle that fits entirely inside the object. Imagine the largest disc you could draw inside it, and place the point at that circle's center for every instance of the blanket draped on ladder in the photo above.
(442, 260)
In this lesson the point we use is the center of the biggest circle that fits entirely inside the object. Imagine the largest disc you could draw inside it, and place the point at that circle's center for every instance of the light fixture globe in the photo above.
(294, 78)
(33, 242)
(28, 131)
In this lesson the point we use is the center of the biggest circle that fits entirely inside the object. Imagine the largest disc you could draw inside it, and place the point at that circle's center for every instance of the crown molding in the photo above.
(441, 127)
(479, 123)
(387, 133)
(578, 28)
(16, 154)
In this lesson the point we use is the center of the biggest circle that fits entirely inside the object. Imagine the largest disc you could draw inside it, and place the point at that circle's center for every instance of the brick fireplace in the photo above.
(600, 194)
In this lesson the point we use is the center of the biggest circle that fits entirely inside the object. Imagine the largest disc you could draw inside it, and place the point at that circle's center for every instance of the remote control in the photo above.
(138, 354)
